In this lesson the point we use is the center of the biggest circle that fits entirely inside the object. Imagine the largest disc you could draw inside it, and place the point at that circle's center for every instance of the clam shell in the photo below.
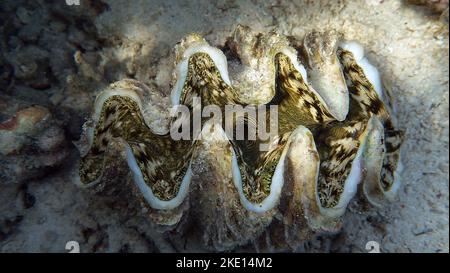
(211, 194)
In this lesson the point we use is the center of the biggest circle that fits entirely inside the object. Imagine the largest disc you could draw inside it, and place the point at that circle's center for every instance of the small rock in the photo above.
(24, 15)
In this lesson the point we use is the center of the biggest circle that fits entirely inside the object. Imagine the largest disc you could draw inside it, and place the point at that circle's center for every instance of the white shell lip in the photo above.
(339, 115)
(112, 90)
(354, 178)
(370, 70)
(272, 200)
(216, 55)
(147, 192)
(290, 52)
(100, 100)
(374, 190)
(350, 188)
(373, 76)
(339, 109)
(275, 187)
(313, 209)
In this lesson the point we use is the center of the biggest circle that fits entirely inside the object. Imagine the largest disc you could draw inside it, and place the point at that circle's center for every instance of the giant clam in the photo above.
(335, 134)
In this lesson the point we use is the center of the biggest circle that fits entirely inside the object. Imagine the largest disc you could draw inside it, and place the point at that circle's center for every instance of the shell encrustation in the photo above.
(315, 119)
